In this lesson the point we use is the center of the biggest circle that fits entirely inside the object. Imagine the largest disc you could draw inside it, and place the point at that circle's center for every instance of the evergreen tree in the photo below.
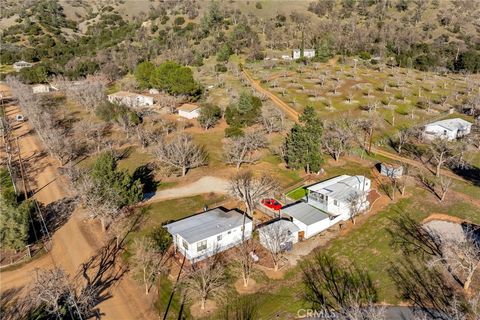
(143, 74)
(303, 143)
(114, 182)
(245, 112)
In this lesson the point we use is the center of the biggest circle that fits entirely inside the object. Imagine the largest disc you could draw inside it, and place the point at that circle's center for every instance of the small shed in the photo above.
(276, 227)
(391, 170)
(189, 111)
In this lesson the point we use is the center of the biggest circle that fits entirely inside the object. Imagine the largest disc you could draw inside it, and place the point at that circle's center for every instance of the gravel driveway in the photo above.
(203, 185)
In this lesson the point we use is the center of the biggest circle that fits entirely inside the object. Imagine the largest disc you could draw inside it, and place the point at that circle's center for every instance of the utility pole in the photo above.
(22, 171)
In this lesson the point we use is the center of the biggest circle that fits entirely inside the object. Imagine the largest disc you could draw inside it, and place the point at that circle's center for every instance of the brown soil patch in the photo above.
(198, 312)
(442, 217)
(251, 288)
(332, 163)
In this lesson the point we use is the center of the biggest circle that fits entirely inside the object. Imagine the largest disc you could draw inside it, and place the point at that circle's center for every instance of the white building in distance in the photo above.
(130, 99)
(19, 65)
(189, 111)
(449, 129)
(307, 53)
(208, 233)
(42, 88)
(328, 203)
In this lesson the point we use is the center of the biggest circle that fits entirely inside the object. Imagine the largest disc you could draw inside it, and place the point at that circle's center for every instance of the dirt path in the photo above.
(76, 241)
(292, 113)
(203, 185)
(414, 163)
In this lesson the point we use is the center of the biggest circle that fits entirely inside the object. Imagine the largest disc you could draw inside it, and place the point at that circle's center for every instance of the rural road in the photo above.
(414, 163)
(292, 113)
(205, 184)
(75, 242)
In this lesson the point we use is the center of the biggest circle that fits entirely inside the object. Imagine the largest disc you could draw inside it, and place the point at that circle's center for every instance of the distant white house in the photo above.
(42, 88)
(208, 233)
(328, 203)
(267, 233)
(130, 99)
(189, 111)
(19, 65)
(449, 129)
(307, 53)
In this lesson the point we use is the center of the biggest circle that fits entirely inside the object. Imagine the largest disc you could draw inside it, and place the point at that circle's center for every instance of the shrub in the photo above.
(220, 68)
(179, 21)
(245, 112)
(232, 132)
(364, 55)
(258, 5)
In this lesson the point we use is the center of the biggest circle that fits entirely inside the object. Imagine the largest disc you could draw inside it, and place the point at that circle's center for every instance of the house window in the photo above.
(335, 202)
(185, 244)
(229, 231)
(202, 245)
(219, 237)
(321, 196)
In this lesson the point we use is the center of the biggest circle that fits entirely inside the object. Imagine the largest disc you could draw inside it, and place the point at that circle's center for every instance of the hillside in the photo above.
(79, 38)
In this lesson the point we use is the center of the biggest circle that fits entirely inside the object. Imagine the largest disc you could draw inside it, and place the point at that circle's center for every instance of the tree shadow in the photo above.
(56, 214)
(99, 274)
(470, 173)
(146, 176)
(425, 288)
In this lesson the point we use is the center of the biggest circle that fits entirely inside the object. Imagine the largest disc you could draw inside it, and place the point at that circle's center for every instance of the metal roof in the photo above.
(305, 213)
(341, 187)
(283, 224)
(207, 224)
(451, 124)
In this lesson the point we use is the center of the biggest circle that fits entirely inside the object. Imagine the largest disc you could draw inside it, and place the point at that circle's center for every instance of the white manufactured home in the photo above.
(328, 203)
(449, 129)
(208, 233)
(189, 111)
(130, 99)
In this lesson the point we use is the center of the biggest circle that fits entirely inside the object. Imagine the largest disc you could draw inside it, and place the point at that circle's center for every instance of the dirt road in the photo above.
(203, 185)
(289, 111)
(76, 241)
(414, 163)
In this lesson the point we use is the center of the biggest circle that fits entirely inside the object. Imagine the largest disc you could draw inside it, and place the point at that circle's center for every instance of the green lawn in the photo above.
(297, 194)
(165, 288)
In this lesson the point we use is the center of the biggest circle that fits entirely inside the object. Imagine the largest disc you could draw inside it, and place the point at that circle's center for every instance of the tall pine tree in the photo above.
(303, 143)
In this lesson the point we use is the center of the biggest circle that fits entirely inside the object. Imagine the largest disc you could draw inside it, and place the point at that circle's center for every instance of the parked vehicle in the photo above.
(272, 204)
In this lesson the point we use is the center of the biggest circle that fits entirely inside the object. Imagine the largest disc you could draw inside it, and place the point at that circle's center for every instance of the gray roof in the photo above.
(207, 224)
(305, 213)
(341, 187)
(451, 124)
(284, 224)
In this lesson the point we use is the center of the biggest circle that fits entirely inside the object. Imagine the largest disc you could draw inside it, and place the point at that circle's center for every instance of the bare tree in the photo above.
(50, 289)
(89, 93)
(244, 259)
(337, 138)
(148, 261)
(181, 153)
(97, 204)
(356, 204)
(250, 189)
(444, 152)
(403, 136)
(205, 282)
(273, 119)
(461, 257)
(445, 184)
(273, 237)
(244, 149)
(369, 311)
